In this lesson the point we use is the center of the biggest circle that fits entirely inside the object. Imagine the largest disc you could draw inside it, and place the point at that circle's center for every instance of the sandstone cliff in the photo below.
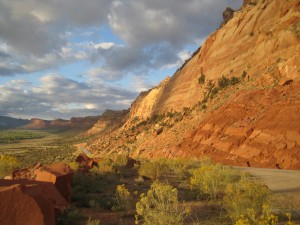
(254, 121)
(261, 39)
(109, 121)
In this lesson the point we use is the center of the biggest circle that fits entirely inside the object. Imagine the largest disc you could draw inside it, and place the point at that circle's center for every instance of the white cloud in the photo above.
(57, 96)
(104, 45)
(42, 35)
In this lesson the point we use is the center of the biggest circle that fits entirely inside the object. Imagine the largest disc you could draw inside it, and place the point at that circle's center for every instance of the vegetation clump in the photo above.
(93, 221)
(7, 165)
(160, 206)
(14, 136)
(246, 201)
(123, 199)
(210, 179)
(224, 82)
(201, 79)
(154, 169)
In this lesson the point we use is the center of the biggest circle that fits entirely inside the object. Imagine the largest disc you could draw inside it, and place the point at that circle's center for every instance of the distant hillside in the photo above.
(74, 122)
(36, 123)
(8, 122)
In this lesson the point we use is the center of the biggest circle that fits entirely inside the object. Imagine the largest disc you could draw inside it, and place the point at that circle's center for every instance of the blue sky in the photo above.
(60, 59)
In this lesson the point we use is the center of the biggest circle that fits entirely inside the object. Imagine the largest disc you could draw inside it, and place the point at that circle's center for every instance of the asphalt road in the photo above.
(284, 184)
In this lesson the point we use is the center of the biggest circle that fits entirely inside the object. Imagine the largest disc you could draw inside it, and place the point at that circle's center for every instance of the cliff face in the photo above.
(146, 103)
(253, 122)
(261, 39)
(109, 121)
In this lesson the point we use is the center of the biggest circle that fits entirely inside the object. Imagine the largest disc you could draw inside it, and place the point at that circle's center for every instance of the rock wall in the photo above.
(260, 39)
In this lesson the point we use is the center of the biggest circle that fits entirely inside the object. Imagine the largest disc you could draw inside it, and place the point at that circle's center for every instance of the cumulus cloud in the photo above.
(42, 35)
(155, 31)
(33, 26)
(57, 96)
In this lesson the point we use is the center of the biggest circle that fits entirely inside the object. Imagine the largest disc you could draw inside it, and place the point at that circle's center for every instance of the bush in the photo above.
(7, 165)
(246, 201)
(210, 180)
(214, 91)
(70, 216)
(234, 80)
(244, 74)
(223, 82)
(160, 206)
(123, 199)
(201, 79)
(93, 222)
(154, 169)
(74, 166)
(180, 168)
(120, 161)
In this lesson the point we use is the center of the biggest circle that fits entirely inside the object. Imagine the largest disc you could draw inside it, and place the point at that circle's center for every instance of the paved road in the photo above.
(284, 184)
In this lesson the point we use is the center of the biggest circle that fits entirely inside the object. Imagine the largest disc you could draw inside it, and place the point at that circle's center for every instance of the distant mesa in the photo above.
(36, 123)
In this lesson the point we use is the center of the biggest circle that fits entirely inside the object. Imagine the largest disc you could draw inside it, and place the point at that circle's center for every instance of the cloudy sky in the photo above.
(64, 58)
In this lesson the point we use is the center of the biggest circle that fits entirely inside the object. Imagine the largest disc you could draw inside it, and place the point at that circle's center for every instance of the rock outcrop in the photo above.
(34, 195)
(29, 202)
(86, 162)
(227, 15)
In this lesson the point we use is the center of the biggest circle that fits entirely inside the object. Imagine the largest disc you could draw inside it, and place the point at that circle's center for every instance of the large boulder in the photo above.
(59, 174)
(29, 202)
(86, 162)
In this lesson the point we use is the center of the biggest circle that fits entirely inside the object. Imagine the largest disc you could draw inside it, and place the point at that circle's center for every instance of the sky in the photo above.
(71, 58)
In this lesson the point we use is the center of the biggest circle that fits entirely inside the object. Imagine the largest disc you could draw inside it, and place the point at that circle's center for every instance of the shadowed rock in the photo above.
(86, 162)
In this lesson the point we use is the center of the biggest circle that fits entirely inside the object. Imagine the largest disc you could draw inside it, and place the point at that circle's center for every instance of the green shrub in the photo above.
(266, 218)
(93, 221)
(7, 165)
(160, 206)
(223, 82)
(246, 200)
(214, 91)
(70, 216)
(74, 166)
(244, 74)
(154, 169)
(210, 180)
(120, 161)
(123, 199)
(201, 79)
(234, 80)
